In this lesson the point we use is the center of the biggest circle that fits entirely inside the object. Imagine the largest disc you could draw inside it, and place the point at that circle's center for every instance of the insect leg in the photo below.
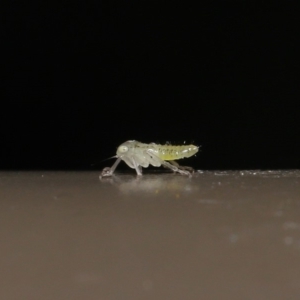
(137, 168)
(109, 171)
(166, 164)
(175, 168)
(175, 163)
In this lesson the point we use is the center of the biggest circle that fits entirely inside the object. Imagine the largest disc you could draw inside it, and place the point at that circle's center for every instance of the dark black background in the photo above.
(81, 78)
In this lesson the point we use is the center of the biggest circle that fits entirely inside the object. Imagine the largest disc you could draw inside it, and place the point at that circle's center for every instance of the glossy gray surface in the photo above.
(217, 235)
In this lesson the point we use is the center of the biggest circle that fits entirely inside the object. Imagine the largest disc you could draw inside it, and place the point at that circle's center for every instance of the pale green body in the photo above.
(137, 155)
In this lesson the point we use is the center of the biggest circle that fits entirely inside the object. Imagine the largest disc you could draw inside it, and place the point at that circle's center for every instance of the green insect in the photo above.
(139, 155)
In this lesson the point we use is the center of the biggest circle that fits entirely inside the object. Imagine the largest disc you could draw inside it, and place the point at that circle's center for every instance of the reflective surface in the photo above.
(217, 235)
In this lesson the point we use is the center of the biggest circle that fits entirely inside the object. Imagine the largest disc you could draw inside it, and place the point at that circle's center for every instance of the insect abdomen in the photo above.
(169, 152)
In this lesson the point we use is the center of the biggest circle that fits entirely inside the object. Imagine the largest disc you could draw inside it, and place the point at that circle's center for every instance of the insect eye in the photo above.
(123, 149)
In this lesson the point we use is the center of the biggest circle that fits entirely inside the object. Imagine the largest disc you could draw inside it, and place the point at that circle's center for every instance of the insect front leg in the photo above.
(106, 172)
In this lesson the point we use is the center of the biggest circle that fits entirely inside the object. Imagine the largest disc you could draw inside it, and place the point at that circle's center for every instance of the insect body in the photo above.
(137, 155)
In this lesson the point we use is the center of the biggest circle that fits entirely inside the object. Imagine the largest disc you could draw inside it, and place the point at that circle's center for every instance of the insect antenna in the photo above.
(99, 162)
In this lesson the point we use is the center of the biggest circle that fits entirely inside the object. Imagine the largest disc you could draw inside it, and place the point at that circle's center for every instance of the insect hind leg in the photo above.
(175, 168)
(187, 168)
